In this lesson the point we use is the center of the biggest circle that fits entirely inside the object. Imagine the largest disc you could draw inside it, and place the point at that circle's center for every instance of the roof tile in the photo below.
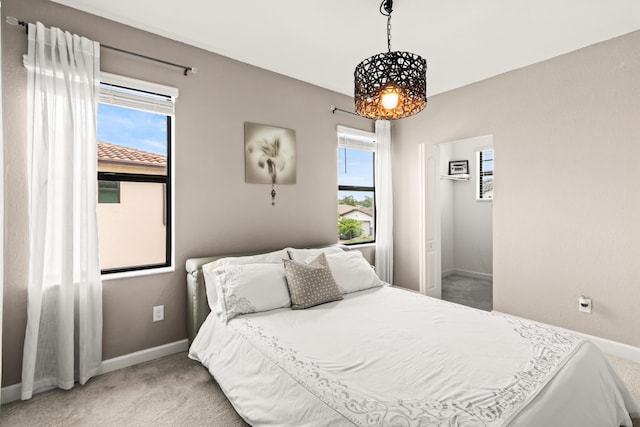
(121, 154)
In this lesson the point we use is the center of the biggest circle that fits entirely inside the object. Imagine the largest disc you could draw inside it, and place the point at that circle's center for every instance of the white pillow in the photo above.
(250, 288)
(275, 257)
(351, 271)
(301, 255)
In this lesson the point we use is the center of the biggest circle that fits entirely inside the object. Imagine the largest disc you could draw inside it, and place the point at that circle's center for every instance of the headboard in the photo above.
(197, 304)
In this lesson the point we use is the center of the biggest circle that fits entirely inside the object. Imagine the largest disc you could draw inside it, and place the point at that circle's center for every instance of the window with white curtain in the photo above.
(356, 186)
(135, 167)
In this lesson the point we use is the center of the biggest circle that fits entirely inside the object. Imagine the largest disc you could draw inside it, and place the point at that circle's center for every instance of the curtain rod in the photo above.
(333, 109)
(14, 21)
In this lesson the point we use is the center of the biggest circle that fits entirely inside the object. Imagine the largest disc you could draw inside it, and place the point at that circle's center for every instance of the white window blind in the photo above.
(356, 138)
(148, 96)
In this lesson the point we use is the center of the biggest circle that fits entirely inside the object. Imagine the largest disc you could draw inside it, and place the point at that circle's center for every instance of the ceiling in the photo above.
(321, 42)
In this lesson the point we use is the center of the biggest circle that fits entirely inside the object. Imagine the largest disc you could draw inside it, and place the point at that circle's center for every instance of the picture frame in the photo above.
(270, 154)
(458, 167)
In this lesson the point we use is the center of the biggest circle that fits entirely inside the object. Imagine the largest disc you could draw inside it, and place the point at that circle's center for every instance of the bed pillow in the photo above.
(352, 272)
(275, 257)
(249, 288)
(301, 255)
(310, 284)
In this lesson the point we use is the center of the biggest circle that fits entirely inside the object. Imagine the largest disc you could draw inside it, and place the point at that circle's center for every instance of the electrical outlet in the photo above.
(158, 313)
(584, 304)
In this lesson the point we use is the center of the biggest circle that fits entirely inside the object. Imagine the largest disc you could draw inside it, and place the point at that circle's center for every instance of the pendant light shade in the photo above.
(390, 85)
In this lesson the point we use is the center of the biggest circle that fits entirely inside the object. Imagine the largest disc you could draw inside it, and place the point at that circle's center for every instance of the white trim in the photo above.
(142, 356)
(614, 348)
(448, 273)
(143, 85)
(357, 134)
(145, 272)
(422, 218)
(12, 393)
(472, 274)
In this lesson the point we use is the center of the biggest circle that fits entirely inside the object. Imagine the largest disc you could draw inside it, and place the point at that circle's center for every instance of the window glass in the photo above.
(485, 174)
(133, 187)
(108, 192)
(356, 196)
(355, 167)
(133, 232)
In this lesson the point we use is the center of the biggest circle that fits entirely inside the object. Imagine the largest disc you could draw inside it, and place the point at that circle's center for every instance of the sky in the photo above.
(132, 128)
(359, 171)
(359, 167)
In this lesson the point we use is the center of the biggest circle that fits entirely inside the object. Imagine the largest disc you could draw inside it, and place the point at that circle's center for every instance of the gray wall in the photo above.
(216, 212)
(567, 146)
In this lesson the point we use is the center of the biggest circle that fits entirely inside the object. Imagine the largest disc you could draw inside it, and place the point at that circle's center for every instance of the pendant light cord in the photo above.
(386, 7)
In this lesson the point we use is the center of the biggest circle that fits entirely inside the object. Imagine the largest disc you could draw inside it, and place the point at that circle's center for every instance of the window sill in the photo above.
(362, 245)
(137, 273)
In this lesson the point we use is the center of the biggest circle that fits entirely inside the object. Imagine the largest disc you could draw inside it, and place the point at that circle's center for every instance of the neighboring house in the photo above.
(130, 211)
(362, 214)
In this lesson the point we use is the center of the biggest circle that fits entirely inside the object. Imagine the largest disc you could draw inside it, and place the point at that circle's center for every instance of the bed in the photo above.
(382, 356)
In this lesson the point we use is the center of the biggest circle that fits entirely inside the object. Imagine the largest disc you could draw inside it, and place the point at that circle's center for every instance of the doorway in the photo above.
(457, 248)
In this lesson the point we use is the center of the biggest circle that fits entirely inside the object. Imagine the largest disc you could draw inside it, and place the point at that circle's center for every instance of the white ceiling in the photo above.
(321, 42)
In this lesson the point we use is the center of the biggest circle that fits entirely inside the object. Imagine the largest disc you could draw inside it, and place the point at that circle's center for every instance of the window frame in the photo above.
(356, 139)
(165, 105)
(480, 173)
(115, 190)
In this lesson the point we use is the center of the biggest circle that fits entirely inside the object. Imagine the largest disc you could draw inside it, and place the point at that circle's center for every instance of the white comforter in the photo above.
(390, 357)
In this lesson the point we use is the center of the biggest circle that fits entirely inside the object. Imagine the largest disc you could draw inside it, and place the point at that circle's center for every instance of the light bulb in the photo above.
(389, 97)
(389, 100)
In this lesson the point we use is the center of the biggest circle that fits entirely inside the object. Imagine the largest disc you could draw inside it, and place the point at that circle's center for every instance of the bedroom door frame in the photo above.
(430, 213)
(429, 240)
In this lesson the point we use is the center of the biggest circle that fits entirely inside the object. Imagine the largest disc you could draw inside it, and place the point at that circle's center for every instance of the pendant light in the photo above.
(390, 85)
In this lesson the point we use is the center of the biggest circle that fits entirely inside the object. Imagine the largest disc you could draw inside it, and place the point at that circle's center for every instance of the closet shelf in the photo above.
(459, 177)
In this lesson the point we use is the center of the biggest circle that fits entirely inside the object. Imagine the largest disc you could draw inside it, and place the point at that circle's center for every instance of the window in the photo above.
(484, 190)
(356, 186)
(135, 129)
(108, 192)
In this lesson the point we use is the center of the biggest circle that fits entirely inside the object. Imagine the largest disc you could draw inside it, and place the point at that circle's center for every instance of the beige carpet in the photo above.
(173, 391)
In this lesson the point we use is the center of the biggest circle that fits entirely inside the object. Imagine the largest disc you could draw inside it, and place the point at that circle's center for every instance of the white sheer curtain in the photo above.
(384, 202)
(63, 340)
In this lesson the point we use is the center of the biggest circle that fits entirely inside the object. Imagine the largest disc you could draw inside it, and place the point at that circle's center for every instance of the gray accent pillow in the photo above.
(310, 284)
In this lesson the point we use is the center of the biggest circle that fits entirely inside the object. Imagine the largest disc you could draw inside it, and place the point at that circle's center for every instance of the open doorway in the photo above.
(458, 228)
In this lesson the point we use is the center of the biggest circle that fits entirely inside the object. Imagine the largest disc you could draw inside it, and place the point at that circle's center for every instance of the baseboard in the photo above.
(142, 356)
(12, 393)
(614, 348)
(448, 273)
(472, 274)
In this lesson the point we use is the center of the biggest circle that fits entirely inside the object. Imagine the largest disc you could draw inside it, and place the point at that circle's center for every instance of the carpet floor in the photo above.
(476, 293)
(172, 391)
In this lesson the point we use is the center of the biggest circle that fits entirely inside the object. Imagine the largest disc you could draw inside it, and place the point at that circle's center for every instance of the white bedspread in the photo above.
(390, 357)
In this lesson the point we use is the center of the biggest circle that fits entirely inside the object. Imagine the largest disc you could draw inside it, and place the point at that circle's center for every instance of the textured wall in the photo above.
(216, 212)
(567, 146)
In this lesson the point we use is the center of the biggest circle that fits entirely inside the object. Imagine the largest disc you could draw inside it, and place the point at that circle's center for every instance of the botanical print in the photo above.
(270, 154)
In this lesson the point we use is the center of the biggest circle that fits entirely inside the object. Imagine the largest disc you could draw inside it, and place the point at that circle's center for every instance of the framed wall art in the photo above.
(458, 167)
(269, 154)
